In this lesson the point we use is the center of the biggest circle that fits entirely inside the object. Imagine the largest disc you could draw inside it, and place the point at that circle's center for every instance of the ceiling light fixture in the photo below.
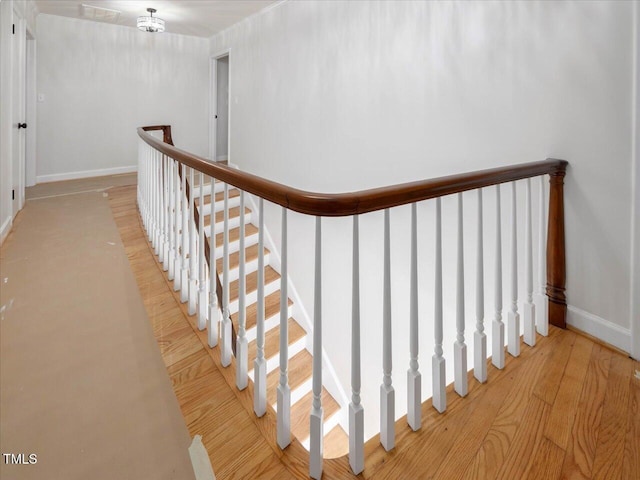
(151, 24)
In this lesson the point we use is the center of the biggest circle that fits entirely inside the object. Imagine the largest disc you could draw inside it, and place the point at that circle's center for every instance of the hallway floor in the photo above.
(568, 408)
(83, 386)
(93, 339)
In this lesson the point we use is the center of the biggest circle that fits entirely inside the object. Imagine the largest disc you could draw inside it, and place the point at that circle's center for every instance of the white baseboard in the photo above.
(605, 330)
(58, 177)
(5, 229)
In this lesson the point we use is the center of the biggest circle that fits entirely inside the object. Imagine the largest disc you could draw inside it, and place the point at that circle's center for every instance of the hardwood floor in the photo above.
(208, 399)
(568, 408)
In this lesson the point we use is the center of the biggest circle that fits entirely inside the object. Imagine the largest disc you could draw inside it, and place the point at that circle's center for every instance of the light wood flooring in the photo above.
(568, 408)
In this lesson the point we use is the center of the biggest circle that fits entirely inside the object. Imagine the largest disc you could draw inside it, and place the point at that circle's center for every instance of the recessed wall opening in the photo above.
(220, 108)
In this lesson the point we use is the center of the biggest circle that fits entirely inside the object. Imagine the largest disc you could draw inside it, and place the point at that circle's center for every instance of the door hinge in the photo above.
(13, 194)
(13, 28)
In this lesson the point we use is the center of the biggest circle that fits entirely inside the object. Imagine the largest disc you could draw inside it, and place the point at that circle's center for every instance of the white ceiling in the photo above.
(200, 18)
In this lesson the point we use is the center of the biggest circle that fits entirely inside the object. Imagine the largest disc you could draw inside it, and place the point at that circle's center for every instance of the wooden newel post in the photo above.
(556, 267)
(166, 134)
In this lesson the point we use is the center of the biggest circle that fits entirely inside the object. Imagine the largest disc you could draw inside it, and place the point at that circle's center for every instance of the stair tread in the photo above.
(250, 254)
(234, 234)
(272, 340)
(271, 308)
(251, 285)
(233, 193)
(336, 443)
(300, 413)
(233, 213)
(300, 370)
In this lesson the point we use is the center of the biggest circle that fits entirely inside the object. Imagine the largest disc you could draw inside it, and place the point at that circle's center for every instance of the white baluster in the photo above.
(158, 246)
(241, 341)
(540, 298)
(148, 173)
(513, 326)
(150, 196)
(202, 261)
(528, 307)
(165, 215)
(497, 343)
(316, 428)
(226, 315)
(213, 318)
(151, 172)
(438, 361)
(387, 393)
(480, 338)
(156, 203)
(356, 411)
(142, 179)
(259, 364)
(141, 175)
(193, 247)
(414, 378)
(170, 217)
(283, 391)
(160, 208)
(184, 275)
(177, 267)
(459, 347)
(147, 190)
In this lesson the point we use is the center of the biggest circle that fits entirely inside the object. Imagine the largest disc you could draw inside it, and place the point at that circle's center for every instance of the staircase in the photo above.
(336, 442)
(159, 187)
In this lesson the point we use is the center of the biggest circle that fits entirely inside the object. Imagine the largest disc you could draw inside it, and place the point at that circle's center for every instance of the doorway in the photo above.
(220, 88)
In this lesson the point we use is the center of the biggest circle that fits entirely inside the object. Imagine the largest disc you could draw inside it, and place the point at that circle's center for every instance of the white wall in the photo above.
(338, 96)
(100, 82)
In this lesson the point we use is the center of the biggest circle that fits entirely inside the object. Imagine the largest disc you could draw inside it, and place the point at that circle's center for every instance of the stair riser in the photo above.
(233, 223)
(269, 323)
(249, 267)
(273, 362)
(252, 297)
(233, 202)
(207, 189)
(235, 246)
(298, 393)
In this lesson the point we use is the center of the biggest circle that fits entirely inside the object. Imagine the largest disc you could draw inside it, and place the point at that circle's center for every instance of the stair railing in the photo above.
(163, 191)
(187, 221)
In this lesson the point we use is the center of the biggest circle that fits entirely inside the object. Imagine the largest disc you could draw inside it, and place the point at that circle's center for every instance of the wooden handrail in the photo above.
(363, 201)
(371, 200)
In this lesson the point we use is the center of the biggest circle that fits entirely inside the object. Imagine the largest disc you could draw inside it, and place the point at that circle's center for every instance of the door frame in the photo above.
(30, 97)
(213, 103)
(635, 195)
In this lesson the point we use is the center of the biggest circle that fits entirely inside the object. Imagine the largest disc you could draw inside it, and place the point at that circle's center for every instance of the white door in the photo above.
(19, 123)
